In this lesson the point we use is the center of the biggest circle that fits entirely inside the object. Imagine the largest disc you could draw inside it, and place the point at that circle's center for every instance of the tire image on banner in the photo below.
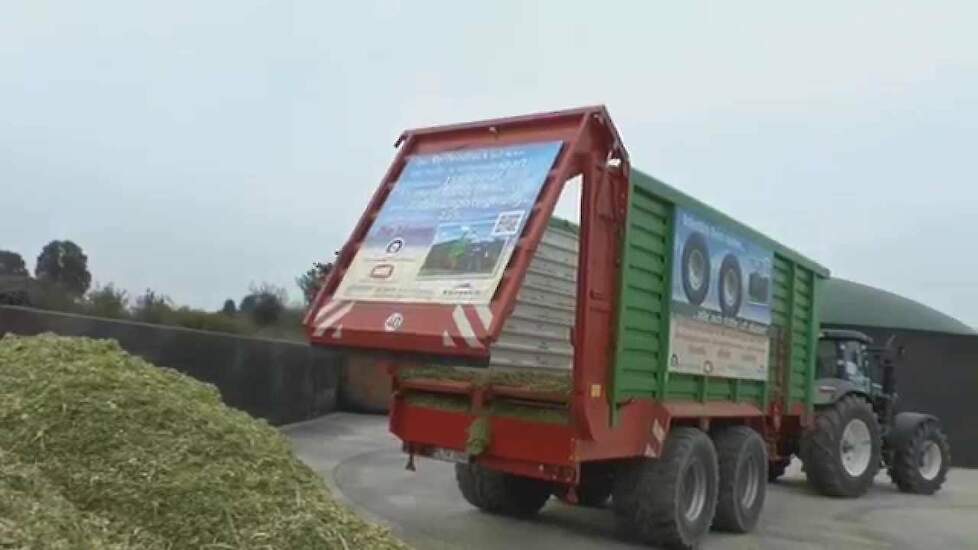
(721, 301)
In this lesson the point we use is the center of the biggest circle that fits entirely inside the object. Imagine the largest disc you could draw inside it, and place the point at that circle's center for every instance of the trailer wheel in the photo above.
(731, 286)
(695, 268)
(743, 479)
(499, 492)
(670, 501)
(920, 465)
(776, 469)
(842, 452)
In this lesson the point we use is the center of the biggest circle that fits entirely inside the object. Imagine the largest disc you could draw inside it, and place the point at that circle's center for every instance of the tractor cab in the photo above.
(849, 362)
(845, 355)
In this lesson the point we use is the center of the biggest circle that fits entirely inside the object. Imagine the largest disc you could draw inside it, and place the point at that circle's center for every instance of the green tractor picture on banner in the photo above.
(721, 301)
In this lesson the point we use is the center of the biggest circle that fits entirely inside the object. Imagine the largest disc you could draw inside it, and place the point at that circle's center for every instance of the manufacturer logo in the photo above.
(394, 246)
(393, 322)
(382, 271)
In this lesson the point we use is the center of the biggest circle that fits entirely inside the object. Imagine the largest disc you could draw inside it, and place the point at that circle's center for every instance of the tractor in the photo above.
(857, 429)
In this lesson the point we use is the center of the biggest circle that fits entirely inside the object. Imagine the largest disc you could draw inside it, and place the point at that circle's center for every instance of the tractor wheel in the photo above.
(730, 284)
(743, 485)
(695, 268)
(920, 466)
(670, 501)
(776, 469)
(499, 492)
(842, 452)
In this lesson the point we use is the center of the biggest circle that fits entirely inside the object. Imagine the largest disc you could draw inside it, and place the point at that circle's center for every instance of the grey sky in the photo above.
(196, 147)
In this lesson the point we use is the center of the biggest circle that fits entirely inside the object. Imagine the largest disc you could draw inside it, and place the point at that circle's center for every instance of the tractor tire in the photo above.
(499, 492)
(730, 286)
(776, 469)
(742, 456)
(842, 452)
(920, 466)
(670, 501)
(695, 268)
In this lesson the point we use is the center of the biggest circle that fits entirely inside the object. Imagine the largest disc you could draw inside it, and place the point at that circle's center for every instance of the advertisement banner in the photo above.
(721, 301)
(449, 226)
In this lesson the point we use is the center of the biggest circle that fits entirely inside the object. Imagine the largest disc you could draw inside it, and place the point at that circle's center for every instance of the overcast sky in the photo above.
(198, 147)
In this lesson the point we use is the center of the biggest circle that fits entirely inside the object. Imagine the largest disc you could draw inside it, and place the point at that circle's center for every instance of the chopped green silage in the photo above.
(547, 415)
(453, 403)
(478, 436)
(34, 514)
(538, 381)
(101, 449)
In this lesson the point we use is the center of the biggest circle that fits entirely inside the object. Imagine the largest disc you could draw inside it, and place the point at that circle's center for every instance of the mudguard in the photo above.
(830, 390)
(904, 426)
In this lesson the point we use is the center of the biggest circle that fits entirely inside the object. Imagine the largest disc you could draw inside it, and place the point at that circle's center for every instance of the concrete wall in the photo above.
(366, 384)
(272, 379)
(938, 374)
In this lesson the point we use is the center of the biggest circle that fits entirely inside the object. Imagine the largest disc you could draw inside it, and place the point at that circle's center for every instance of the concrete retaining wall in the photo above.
(272, 379)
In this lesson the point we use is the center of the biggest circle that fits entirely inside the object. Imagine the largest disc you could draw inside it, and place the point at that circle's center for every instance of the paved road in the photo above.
(364, 465)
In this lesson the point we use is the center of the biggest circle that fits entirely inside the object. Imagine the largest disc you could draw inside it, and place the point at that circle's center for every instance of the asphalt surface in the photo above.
(364, 466)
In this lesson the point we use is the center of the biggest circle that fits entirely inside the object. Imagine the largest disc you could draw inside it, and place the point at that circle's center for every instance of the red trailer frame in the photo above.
(593, 150)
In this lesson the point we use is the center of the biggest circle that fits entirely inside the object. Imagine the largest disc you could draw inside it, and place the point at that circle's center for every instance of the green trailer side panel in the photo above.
(643, 306)
(641, 347)
(793, 344)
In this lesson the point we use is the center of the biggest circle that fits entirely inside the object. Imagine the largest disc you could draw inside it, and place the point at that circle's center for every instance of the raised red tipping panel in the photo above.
(444, 285)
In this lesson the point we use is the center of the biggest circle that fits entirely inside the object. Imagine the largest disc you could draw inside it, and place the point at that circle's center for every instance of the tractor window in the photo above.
(827, 359)
(852, 360)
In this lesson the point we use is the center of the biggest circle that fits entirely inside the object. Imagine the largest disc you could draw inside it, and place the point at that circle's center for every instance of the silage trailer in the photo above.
(655, 352)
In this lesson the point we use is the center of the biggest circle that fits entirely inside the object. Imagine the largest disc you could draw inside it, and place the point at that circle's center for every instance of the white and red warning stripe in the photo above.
(330, 314)
(454, 327)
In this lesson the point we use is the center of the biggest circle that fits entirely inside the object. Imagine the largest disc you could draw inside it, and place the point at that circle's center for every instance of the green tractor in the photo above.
(857, 430)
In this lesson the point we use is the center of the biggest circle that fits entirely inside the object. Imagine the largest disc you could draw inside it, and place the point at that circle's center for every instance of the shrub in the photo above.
(152, 307)
(203, 320)
(264, 304)
(107, 301)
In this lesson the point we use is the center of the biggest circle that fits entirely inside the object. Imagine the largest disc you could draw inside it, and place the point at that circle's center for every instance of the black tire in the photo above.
(909, 469)
(650, 498)
(730, 275)
(822, 448)
(499, 492)
(695, 268)
(776, 469)
(742, 458)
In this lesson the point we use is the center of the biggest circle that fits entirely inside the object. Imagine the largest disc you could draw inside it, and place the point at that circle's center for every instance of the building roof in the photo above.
(853, 304)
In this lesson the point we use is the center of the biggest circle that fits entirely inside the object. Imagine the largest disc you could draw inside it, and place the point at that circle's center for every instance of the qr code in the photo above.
(508, 223)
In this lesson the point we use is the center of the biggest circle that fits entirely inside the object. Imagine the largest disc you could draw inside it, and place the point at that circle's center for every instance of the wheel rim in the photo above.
(856, 447)
(697, 269)
(750, 480)
(693, 491)
(730, 290)
(930, 461)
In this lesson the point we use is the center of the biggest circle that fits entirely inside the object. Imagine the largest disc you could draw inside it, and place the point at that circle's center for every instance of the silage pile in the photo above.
(100, 449)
